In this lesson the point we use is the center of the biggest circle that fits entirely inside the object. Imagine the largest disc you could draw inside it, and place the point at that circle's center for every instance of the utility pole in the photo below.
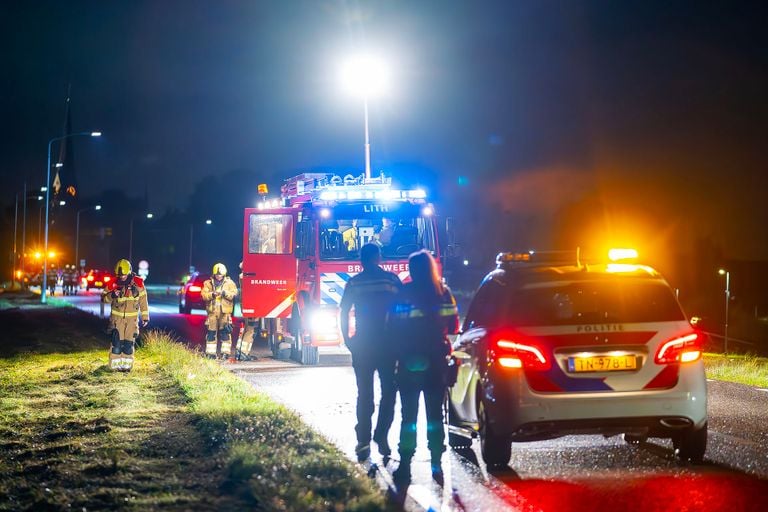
(24, 235)
(15, 224)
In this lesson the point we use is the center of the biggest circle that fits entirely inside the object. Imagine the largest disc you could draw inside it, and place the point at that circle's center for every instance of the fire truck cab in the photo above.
(299, 251)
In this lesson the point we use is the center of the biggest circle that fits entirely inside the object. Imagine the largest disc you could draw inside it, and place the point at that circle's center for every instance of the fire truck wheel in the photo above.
(274, 343)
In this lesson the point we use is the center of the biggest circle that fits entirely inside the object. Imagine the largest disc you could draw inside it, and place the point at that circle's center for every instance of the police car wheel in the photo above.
(691, 444)
(496, 450)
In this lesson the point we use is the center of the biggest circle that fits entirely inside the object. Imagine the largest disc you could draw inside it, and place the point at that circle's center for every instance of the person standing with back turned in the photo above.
(423, 315)
(371, 292)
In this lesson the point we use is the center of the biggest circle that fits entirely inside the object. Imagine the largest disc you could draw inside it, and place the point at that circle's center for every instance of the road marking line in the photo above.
(737, 440)
(423, 497)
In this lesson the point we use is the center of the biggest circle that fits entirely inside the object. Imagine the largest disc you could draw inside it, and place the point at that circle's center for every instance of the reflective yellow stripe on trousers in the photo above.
(127, 314)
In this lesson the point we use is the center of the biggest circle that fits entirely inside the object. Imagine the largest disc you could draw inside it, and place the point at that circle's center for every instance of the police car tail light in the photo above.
(107, 279)
(682, 349)
(90, 278)
(510, 362)
(195, 289)
(512, 354)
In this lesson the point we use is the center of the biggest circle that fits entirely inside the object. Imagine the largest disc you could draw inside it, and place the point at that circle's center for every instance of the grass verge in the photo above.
(743, 369)
(177, 433)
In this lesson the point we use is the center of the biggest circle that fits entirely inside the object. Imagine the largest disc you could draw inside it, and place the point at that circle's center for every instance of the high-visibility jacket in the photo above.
(128, 299)
(224, 302)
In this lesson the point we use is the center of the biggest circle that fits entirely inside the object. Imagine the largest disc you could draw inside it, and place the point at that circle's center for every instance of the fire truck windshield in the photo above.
(397, 235)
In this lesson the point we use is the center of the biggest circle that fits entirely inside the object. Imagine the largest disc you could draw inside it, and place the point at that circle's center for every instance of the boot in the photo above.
(363, 452)
(402, 475)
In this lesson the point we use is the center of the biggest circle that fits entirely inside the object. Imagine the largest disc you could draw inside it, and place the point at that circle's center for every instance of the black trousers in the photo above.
(411, 387)
(366, 363)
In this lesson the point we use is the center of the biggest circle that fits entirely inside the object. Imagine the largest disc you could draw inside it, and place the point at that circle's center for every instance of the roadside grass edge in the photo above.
(746, 369)
(270, 456)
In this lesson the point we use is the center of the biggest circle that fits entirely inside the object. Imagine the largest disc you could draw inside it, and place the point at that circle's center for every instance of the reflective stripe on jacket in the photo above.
(420, 326)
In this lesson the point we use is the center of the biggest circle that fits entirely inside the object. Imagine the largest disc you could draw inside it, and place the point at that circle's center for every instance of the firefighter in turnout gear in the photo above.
(219, 294)
(69, 280)
(128, 300)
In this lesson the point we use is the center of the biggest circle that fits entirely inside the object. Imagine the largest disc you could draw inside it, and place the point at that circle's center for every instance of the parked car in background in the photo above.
(98, 278)
(190, 293)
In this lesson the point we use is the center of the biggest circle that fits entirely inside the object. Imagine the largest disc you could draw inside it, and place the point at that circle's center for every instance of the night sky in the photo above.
(561, 122)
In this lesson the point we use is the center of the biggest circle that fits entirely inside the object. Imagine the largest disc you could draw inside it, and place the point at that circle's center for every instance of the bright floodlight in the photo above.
(721, 271)
(95, 134)
(62, 203)
(97, 207)
(365, 75)
(150, 215)
(43, 189)
(208, 221)
(59, 165)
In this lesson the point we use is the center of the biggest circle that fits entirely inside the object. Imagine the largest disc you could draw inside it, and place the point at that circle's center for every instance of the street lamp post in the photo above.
(15, 223)
(727, 274)
(191, 235)
(77, 232)
(367, 77)
(44, 284)
(367, 140)
(130, 239)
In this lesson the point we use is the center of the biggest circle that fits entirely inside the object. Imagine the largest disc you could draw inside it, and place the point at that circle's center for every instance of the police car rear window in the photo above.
(590, 302)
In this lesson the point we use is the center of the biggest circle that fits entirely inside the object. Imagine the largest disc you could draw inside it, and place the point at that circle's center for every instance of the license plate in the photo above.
(602, 364)
(99, 283)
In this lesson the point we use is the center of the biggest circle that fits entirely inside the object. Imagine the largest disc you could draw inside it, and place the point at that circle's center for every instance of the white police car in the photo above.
(551, 349)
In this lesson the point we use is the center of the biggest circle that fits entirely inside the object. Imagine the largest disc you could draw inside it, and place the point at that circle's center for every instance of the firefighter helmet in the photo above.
(123, 268)
(219, 269)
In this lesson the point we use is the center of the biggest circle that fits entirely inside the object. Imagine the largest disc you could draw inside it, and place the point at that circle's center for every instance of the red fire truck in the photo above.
(300, 250)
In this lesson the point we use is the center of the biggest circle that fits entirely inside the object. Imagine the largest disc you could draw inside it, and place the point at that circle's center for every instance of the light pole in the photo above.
(367, 77)
(191, 235)
(77, 232)
(44, 285)
(130, 238)
(727, 274)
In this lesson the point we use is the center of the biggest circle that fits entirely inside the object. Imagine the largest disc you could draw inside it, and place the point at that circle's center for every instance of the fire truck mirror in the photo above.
(304, 239)
(450, 229)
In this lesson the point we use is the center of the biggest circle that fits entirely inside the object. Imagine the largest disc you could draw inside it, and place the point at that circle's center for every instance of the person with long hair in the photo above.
(423, 315)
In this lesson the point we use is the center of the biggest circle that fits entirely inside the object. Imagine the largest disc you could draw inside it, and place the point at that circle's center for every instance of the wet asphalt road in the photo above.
(584, 473)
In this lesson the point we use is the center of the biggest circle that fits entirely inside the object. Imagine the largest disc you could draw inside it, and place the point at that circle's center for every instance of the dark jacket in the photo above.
(420, 326)
(372, 293)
